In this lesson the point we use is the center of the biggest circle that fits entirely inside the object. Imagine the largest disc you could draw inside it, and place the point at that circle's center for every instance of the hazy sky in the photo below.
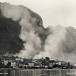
(53, 12)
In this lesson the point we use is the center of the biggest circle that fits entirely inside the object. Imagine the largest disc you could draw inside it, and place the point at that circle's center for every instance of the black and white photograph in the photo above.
(37, 37)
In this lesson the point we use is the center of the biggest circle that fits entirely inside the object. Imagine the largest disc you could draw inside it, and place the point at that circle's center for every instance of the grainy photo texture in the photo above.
(38, 38)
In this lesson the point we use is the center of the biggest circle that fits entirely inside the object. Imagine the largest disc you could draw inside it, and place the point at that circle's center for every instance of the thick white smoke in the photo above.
(32, 46)
(53, 40)
(60, 44)
(51, 47)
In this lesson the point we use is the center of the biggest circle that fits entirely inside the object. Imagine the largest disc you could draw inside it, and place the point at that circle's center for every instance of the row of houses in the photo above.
(43, 63)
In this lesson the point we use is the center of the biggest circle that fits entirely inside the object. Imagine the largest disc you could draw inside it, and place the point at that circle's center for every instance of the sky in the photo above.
(53, 12)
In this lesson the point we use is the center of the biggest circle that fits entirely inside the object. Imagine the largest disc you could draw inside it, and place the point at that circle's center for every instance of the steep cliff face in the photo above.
(21, 30)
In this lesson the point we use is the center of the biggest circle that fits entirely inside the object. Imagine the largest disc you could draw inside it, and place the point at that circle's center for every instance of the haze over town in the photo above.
(22, 31)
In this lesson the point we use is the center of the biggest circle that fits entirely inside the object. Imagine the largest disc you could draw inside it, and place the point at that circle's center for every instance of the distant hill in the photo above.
(17, 25)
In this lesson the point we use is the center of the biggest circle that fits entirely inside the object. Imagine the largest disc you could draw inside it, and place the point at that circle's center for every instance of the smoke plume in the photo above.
(56, 35)
(60, 44)
(22, 33)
